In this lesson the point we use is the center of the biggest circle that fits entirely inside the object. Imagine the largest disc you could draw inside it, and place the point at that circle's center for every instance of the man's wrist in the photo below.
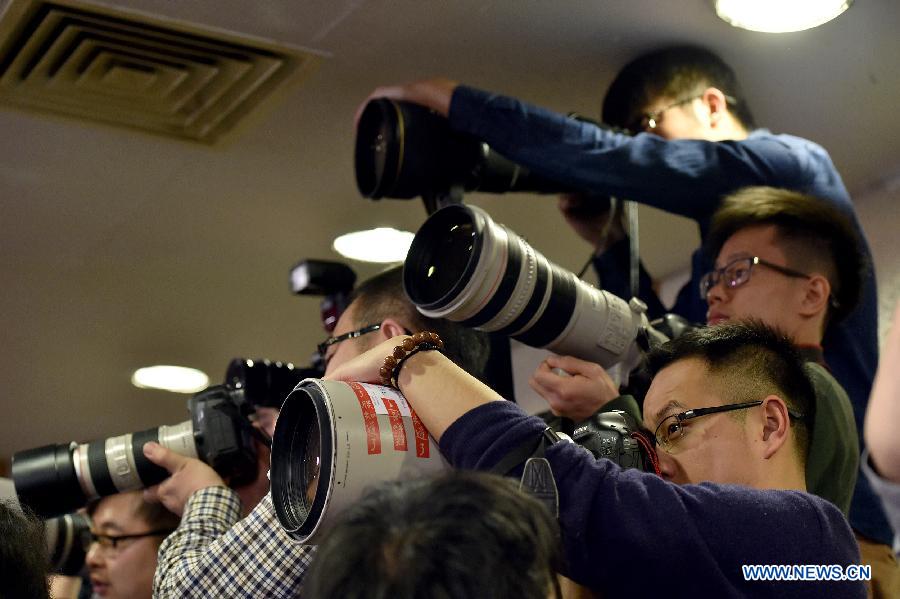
(220, 502)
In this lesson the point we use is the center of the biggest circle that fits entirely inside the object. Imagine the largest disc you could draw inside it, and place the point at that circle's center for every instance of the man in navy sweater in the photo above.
(727, 406)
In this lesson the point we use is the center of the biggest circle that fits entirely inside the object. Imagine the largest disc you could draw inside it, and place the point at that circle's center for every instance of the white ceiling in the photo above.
(121, 249)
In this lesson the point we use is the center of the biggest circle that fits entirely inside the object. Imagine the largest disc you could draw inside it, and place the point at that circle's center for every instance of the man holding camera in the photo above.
(789, 260)
(213, 553)
(694, 142)
(728, 408)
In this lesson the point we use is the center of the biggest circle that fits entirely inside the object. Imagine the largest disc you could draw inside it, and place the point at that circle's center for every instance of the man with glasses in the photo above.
(125, 535)
(694, 141)
(730, 408)
(792, 261)
(213, 554)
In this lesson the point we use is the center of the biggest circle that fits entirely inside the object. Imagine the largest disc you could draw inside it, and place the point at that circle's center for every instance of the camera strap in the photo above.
(537, 475)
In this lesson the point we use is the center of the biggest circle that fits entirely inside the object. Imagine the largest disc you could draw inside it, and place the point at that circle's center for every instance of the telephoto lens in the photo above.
(68, 539)
(464, 267)
(57, 479)
(405, 150)
(332, 440)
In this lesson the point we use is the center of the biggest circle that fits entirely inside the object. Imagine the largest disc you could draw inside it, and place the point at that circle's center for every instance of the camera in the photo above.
(57, 479)
(464, 267)
(333, 439)
(404, 150)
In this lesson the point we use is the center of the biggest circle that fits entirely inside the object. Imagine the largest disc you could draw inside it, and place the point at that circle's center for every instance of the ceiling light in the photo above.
(779, 16)
(382, 245)
(170, 378)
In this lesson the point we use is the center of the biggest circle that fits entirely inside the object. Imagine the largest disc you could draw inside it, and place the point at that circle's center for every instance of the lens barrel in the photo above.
(332, 440)
(58, 479)
(404, 150)
(464, 267)
(67, 543)
(265, 383)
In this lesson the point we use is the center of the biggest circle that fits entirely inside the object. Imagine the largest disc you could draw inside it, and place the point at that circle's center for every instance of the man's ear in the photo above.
(816, 296)
(391, 328)
(776, 425)
(714, 100)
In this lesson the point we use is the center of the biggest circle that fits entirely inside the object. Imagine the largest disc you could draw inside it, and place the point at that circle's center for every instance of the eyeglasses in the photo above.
(110, 543)
(672, 430)
(323, 347)
(737, 272)
(650, 120)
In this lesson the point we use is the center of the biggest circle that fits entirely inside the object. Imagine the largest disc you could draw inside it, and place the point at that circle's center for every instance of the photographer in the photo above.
(214, 554)
(790, 261)
(126, 535)
(695, 141)
(627, 532)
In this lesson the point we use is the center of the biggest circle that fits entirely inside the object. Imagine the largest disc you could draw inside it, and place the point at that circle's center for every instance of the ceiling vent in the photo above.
(137, 71)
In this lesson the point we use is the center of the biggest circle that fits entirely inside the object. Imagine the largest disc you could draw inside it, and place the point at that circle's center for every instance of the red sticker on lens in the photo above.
(370, 419)
(421, 435)
(397, 428)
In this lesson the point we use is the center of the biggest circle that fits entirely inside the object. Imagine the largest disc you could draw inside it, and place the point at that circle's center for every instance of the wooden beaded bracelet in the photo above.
(422, 341)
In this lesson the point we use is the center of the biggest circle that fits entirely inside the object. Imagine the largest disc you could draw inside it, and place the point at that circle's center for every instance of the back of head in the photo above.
(747, 361)
(814, 235)
(383, 296)
(23, 554)
(674, 72)
(458, 536)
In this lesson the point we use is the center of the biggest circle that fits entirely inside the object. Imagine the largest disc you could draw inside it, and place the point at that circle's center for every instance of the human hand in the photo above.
(431, 93)
(578, 396)
(366, 367)
(188, 475)
(594, 219)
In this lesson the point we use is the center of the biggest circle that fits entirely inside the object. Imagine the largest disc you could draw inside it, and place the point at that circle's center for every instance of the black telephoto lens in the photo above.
(405, 150)
(68, 538)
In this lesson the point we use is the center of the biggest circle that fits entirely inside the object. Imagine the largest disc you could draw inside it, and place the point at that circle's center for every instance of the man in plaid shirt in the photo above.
(214, 553)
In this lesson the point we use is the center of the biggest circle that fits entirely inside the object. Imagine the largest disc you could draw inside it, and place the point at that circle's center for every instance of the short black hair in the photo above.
(464, 534)
(673, 72)
(383, 296)
(153, 513)
(24, 563)
(815, 235)
(749, 361)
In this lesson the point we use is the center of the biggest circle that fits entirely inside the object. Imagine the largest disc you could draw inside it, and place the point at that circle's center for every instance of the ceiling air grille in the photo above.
(131, 70)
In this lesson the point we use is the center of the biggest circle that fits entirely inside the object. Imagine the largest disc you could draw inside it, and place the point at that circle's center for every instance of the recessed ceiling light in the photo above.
(779, 16)
(170, 378)
(382, 245)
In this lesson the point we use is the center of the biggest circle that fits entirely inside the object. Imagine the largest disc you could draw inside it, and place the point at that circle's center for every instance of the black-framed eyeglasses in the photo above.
(111, 542)
(737, 272)
(650, 120)
(323, 347)
(671, 430)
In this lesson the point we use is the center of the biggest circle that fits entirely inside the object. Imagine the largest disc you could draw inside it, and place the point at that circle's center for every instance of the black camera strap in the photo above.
(236, 415)
(537, 475)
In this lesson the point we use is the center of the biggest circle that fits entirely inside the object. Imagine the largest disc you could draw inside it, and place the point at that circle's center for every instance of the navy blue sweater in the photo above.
(630, 533)
(688, 177)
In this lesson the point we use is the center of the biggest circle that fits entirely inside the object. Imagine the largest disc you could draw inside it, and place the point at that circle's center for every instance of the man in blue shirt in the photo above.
(696, 142)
